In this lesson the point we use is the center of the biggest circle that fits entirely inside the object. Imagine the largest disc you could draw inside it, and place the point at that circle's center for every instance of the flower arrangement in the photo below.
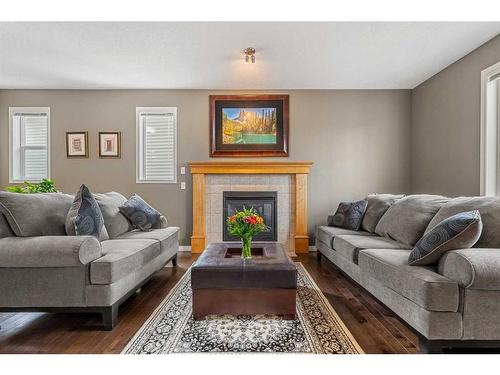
(246, 224)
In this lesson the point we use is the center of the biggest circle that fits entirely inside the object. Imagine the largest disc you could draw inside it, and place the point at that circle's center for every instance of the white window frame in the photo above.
(490, 134)
(140, 143)
(12, 111)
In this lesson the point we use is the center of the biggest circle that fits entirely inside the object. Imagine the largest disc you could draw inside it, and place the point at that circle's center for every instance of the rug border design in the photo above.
(332, 311)
(349, 338)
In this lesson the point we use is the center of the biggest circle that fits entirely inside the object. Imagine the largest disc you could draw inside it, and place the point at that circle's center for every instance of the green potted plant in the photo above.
(45, 186)
(245, 224)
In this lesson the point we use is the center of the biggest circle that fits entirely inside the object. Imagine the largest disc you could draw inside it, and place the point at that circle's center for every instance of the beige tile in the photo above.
(208, 223)
(241, 187)
(207, 202)
(216, 203)
(219, 189)
(283, 222)
(261, 187)
(216, 223)
(219, 179)
(237, 179)
(259, 179)
(284, 203)
(283, 236)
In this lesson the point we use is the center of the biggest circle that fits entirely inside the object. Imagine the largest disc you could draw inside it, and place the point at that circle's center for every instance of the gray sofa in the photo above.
(454, 303)
(43, 269)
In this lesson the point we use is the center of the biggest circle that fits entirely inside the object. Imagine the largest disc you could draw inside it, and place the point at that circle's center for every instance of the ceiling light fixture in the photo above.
(249, 55)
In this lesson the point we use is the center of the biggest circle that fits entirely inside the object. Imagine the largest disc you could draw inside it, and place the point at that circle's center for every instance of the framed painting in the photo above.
(109, 144)
(77, 144)
(248, 125)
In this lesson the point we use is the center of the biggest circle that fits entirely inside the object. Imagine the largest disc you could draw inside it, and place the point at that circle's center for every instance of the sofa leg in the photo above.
(110, 317)
(318, 255)
(174, 260)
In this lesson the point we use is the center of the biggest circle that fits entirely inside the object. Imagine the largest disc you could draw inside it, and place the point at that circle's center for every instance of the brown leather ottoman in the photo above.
(223, 283)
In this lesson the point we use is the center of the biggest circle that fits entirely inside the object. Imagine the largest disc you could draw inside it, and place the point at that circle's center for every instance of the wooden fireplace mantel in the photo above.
(298, 171)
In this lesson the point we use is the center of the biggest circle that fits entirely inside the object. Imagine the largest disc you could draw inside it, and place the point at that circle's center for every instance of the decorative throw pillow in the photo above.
(85, 217)
(456, 232)
(376, 206)
(140, 214)
(405, 221)
(348, 215)
(116, 223)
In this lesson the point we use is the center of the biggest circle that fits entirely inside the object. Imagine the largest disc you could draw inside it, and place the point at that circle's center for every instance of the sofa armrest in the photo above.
(475, 268)
(48, 251)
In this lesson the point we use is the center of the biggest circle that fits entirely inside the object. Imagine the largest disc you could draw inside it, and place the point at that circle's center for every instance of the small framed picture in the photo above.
(77, 144)
(109, 144)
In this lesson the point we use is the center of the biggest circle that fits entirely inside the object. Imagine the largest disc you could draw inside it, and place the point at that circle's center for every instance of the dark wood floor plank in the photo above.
(373, 325)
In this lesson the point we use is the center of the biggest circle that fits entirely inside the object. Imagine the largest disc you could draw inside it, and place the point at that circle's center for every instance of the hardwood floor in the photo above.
(373, 325)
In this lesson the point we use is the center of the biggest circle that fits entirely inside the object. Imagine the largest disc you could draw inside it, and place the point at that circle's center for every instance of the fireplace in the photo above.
(264, 202)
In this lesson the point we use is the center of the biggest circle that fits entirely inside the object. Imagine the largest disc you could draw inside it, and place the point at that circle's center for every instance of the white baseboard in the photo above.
(312, 249)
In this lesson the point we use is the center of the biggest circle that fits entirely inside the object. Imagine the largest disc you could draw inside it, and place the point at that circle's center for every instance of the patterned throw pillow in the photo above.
(85, 217)
(460, 231)
(140, 214)
(349, 215)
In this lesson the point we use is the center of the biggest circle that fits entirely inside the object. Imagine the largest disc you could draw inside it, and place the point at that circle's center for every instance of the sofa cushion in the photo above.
(326, 234)
(459, 231)
(84, 217)
(5, 230)
(349, 246)
(121, 258)
(140, 213)
(406, 220)
(41, 214)
(114, 220)
(488, 207)
(422, 285)
(348, 215)
(377, 205)
(166, 236)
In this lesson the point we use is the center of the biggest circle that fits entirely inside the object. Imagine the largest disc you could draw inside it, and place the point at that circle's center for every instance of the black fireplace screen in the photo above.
(264, 202)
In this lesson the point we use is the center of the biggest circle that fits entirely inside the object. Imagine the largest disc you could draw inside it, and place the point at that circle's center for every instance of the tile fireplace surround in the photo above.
(288, 179)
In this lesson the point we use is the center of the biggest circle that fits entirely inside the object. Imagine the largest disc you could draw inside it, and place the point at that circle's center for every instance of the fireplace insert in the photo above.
(264, 202)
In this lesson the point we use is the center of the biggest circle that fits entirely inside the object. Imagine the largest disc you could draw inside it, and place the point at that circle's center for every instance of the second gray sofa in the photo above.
(455, 303)
(43, 269)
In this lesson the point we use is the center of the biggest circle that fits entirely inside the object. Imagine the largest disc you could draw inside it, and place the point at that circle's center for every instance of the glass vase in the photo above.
(246, 247)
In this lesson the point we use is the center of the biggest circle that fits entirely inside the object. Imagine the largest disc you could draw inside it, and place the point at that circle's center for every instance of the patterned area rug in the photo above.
(317, 329)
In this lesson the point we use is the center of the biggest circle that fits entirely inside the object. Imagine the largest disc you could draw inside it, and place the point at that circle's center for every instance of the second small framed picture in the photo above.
(77, 144)
(110, 144)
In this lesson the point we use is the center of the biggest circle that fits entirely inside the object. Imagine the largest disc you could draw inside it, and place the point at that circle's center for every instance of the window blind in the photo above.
(30, 146)
(158, 146)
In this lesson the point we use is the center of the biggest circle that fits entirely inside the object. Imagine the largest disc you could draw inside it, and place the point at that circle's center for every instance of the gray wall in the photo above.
(445, 126)
(357, 139)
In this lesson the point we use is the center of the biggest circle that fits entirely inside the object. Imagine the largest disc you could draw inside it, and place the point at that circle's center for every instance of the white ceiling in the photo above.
(334, 55)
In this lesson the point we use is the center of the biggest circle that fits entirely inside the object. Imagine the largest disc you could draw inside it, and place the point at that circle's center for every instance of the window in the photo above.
(490, 131)
(157, 145)
(29, 151)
